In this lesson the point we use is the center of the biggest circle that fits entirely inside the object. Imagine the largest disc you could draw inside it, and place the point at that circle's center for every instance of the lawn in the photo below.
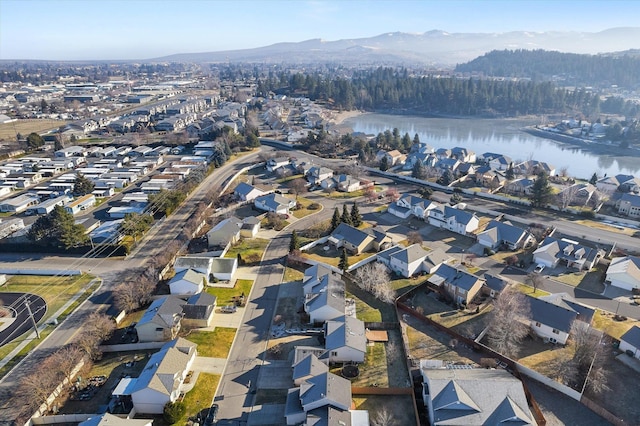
(606, 227)
(604, 321)
(225, 295)
(131, 318)
(304, 210)
(428, 343)
(24, 127)
(332, 256)
(289, 179)
(365, 312)
(213, 344)
(291, 274)
(458, 319)
(251, 250)
(6, 349)
(198, 399)
(571, 278)
(373, 371)
(343, 195)
(529, 291)
(404, 285)
(543, 358)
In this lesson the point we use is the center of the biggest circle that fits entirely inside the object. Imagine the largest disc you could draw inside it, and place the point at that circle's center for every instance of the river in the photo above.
(502, 136)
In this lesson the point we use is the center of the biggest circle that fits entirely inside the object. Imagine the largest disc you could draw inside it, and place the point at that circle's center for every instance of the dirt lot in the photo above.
(399, 408)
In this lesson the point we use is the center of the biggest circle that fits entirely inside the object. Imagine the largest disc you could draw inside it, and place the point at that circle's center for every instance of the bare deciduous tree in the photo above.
(384, 417)
(370, 194)
(374, 278)
(569, 195)
(535, 280)
(298, 186)
(509, 322)
(414, 237)
(588, 357)
(392, 195)
(66, 360)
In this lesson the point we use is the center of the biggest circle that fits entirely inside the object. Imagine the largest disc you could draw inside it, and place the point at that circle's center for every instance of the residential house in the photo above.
(395, 157)
(630, 341)
(611, 184)
(274, 203)
(107, 419)
(519, 187)
(246, 192)
(198, 264)
(274, 164)
(450, 164)
(308, 367)
(498, 234)
(411, 205)
(162, 379)
(161, 320)
(494, 285)
(434, 259)
(198, 311)
(456, 396)
(624, 272)
(323, 391)
(577, 194)
(325, 305)
(81, 204)
(250, 227)
(455, 220)
(460, 285)
(345, 340)
(629, 204)
(343, 183)
(224, 234)
(442, 153)
(408, 261)
(19, 204)
(224, 268)
(317, 174)
(356, 241)
(187, 281)
(463, 155)
(553, 251)
(552, 316)
(630, 185)
(501, 162)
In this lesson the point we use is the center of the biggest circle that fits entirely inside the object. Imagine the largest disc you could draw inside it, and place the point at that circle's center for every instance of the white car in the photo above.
(539, 268)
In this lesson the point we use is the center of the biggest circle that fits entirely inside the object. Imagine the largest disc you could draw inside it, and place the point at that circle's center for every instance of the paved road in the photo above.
(21, 323)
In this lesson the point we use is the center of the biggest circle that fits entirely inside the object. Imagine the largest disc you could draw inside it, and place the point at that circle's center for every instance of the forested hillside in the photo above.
(566, 68)
(391, 90)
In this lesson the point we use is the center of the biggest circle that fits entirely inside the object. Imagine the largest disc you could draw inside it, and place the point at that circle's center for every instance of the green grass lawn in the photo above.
(332, 256)
(6, 349)
(213, 344)
(199, 398)
(291, 274)
(251, 250)
(343, 195)
(403, 285)
(225, 295)
(365, 312)
(571, 278)
(289, 179)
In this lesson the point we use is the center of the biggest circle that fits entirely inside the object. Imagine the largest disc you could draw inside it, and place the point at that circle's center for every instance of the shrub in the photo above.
(488, 252)
(173, 411)
(589, 214)
(314, 206)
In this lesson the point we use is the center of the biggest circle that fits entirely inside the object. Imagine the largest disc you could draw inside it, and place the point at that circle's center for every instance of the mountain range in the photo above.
(433, 48)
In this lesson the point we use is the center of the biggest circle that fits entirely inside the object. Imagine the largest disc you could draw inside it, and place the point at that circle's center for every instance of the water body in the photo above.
(503, 136)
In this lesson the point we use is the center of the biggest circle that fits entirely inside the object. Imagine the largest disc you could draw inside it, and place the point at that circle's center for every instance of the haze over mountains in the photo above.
(437, 48)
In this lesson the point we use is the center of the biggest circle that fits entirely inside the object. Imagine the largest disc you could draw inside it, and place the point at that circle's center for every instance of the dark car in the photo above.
(211, 416)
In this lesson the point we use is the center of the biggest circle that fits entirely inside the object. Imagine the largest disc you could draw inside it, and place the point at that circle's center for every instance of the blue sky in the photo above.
(141, 29)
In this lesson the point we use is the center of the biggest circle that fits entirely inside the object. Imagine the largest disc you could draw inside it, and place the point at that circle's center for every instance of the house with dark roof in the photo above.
(325, 389)
(356, 241)
(345, 340)
(519, 187)
(624, 272)
(246, 192)
(408, 261)
(308, 367)
(630, 341)
(325, 305)
(250, 227)
(198, 310)
(460, 285)
(455, 220)
(553, 251)
(161, 320)
(494, 285)
(552, 316)
(498, 234)
(317, 174)
(456, 396)
(274, 203)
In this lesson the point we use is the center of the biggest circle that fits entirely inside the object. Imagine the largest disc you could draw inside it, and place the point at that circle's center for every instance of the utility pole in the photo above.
(33, 320)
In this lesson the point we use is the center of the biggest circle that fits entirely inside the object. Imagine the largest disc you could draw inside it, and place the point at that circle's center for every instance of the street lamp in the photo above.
(461, 256)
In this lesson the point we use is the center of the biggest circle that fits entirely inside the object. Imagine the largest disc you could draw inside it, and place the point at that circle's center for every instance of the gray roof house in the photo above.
(223, 268)
(246, 192)
(624, 272)
(308, 367)
(455, 220)
(345, 340)
(326, 305)
(274, 203)
(553, 315)
(188, 281)
(460, 285)
(460, 397)
(408, 261)
(225, 233)
(630, 341)
(629, 204)
(196, 263)
(325, 389)
(498, 233)
(161, 321)
(552, 251)
(493, 285)
(198, 310)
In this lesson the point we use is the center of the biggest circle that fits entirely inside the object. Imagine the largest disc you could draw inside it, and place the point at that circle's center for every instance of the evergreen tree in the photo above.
(416, 139)
(384, 164)
(294, 243)
(593, 179)
(346, 217)
(419, 171)
(541, 191)
(59, 229)
(335, 220)
(83, 185)
(356, 217)
(34, 141)
(446, 178)
(344, 260)
(509, 174)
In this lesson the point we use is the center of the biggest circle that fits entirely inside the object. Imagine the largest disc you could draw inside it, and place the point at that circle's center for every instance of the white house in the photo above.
(345, 340)
(161, 321)
(246, 192)
(630, 341)
(624, 272)
(187, 281)
(224, 268)
(163, 377)
(552, 251)
(325, 389)
(19, 204)
(498, 234)
(275, 163)
(408, 261)
(552, 316)
(274, 203)
(455, 220)
(198, 264)
(80, 204)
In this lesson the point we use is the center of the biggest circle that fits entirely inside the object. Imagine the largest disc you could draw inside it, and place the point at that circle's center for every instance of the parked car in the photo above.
(539, 268)
(211, 416)
(229, 309)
